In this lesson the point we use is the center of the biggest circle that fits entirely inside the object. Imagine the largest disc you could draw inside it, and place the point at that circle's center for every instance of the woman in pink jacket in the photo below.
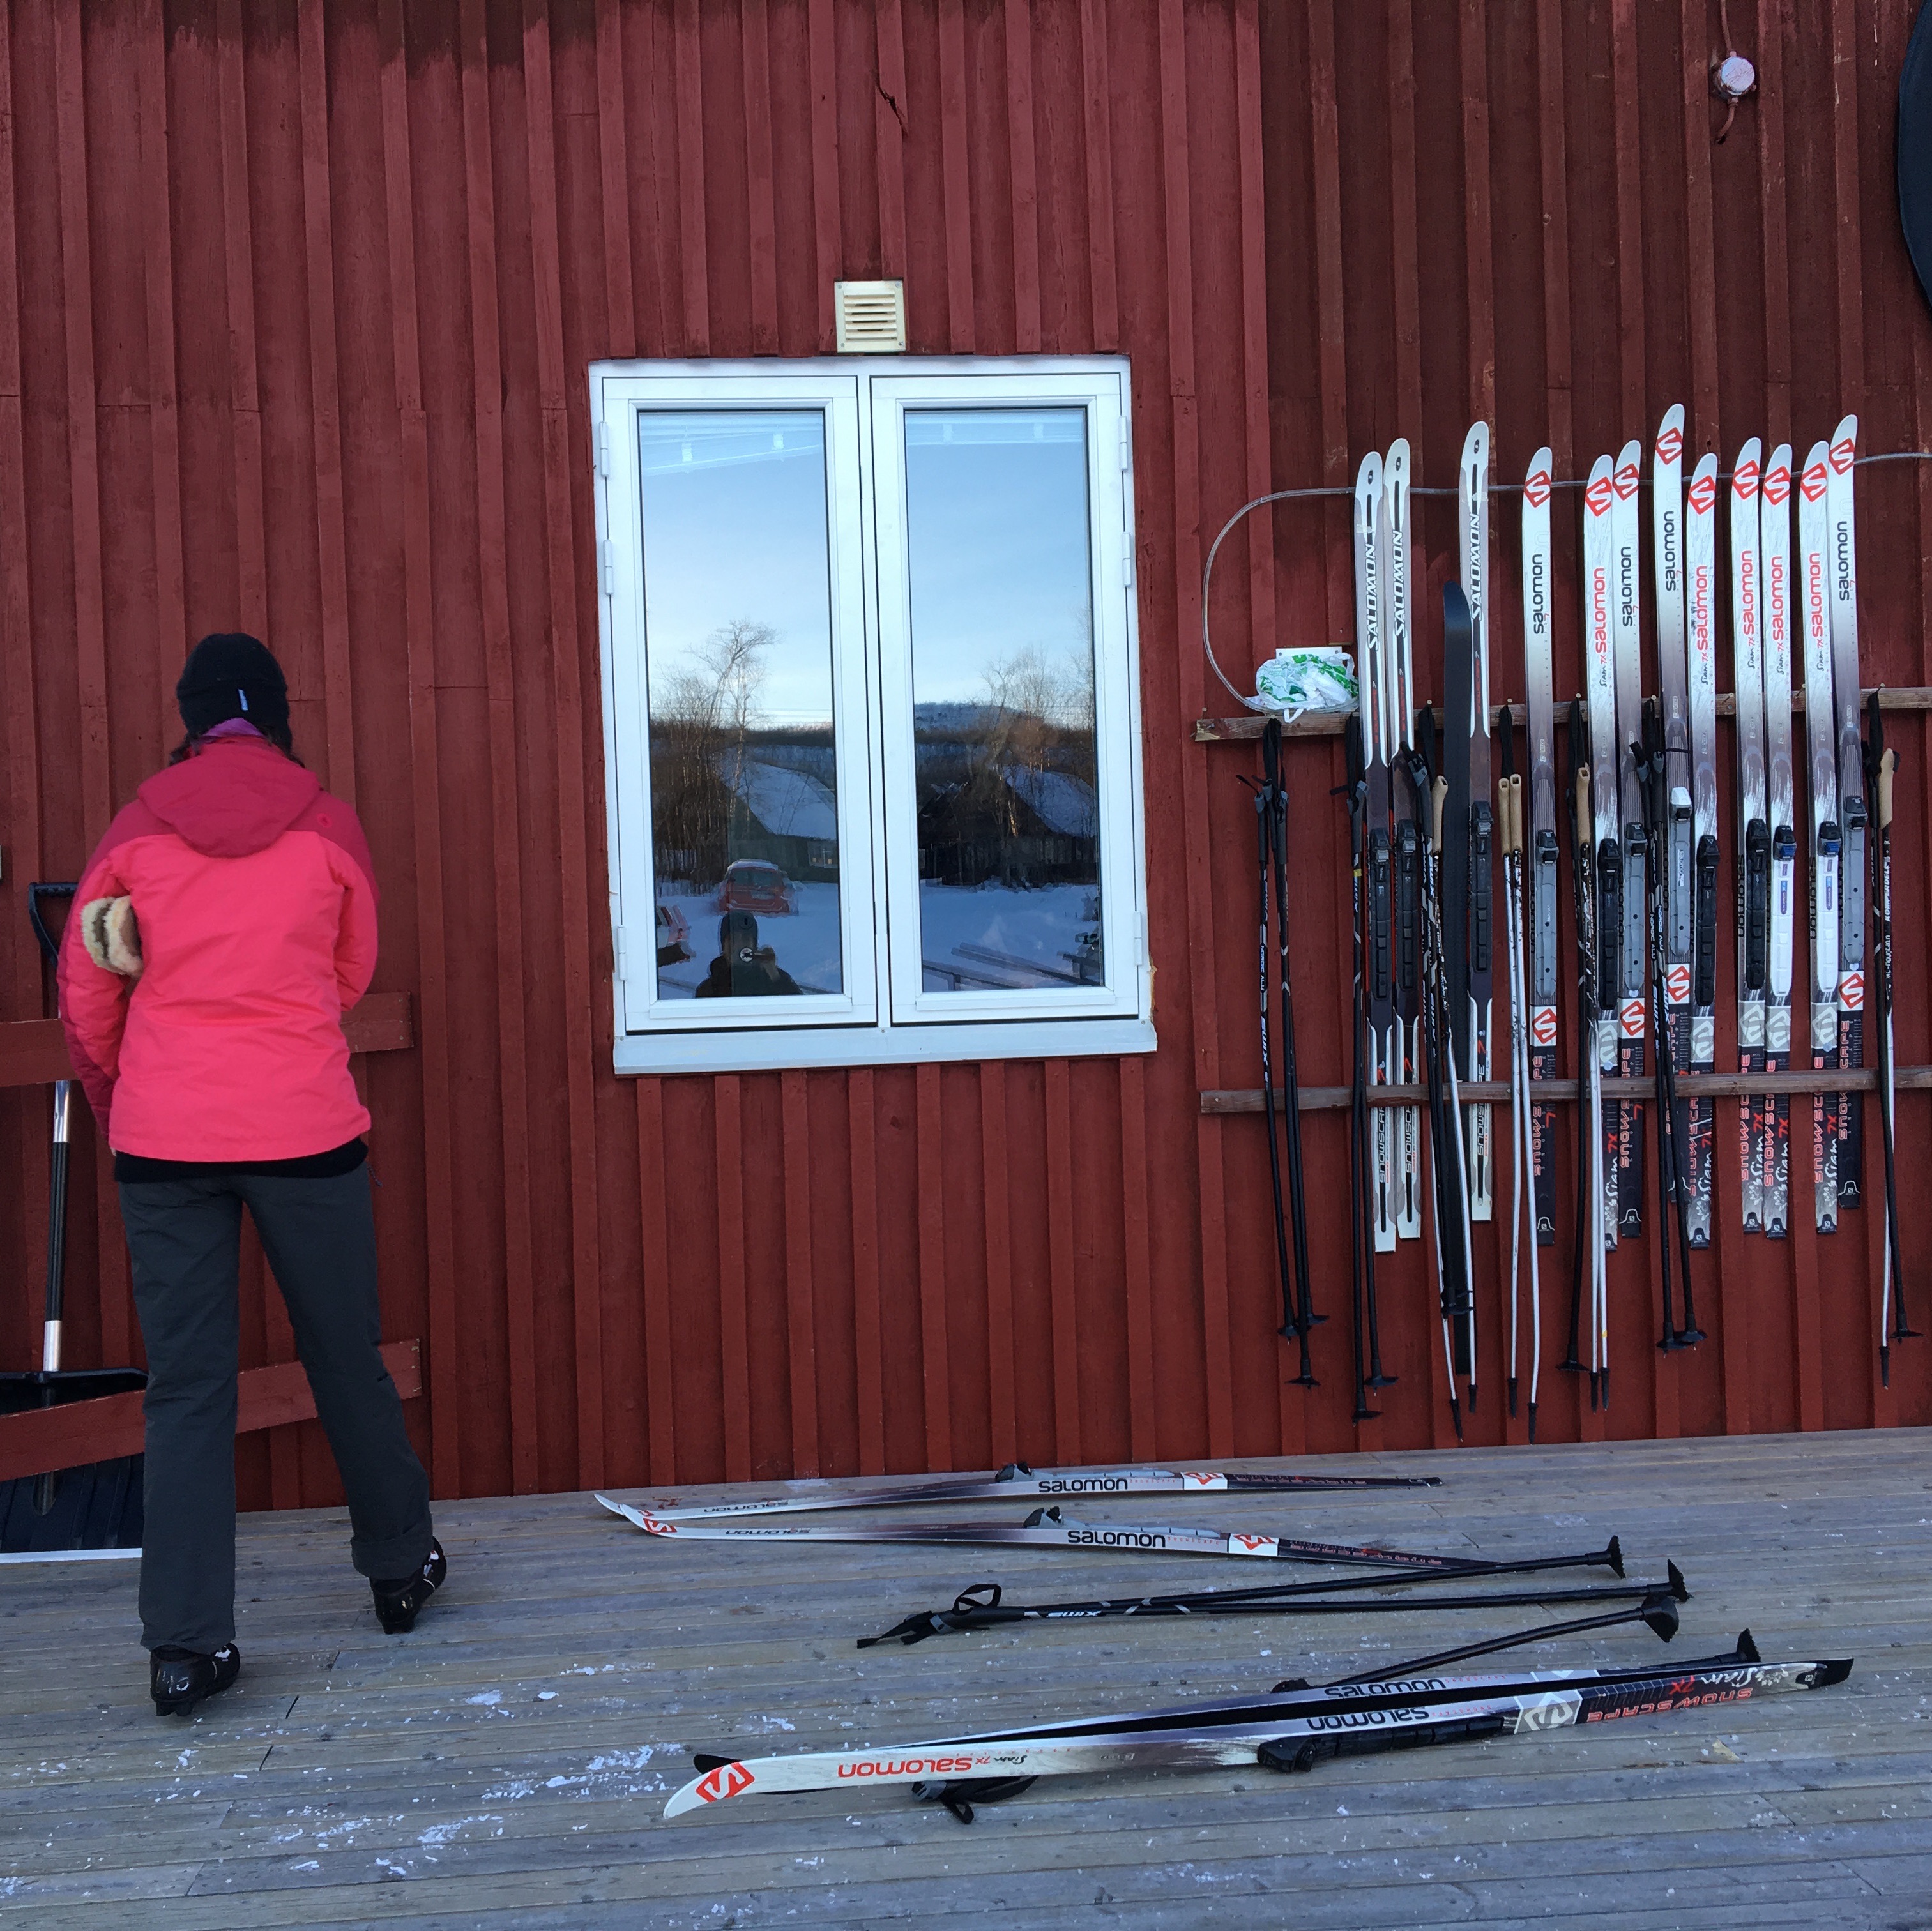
(224, 926)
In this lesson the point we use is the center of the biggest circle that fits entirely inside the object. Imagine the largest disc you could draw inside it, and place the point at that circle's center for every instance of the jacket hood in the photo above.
(232, 798)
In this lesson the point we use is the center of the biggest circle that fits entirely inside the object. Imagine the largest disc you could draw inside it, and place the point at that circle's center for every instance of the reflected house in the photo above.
(782, 813)
(999, 805)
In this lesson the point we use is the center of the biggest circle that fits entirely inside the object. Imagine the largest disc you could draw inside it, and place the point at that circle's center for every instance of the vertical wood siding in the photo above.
(295, 305)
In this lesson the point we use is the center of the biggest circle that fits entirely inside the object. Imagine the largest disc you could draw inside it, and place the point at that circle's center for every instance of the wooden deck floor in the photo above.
(504, 1766)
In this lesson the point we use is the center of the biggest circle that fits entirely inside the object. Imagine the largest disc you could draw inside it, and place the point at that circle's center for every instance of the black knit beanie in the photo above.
(232, 675)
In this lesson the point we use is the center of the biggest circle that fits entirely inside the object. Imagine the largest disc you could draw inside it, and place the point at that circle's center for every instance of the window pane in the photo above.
(1002, 699)
(738, 664)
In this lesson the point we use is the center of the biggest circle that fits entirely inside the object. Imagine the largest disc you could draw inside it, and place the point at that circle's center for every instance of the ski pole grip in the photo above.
(1887, 766)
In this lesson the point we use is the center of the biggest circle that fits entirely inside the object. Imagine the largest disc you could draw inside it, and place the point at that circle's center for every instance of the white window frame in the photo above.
(883, 1015)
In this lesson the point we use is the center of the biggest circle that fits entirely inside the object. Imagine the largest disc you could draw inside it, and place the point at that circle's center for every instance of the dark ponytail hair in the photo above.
(276, 734)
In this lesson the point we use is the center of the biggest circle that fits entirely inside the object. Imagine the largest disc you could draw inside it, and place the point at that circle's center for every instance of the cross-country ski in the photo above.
(1017, 1479)
(1814, 596)
(1782, 630)
(1049, 1528)
(1294, 1729)
(1842, 532)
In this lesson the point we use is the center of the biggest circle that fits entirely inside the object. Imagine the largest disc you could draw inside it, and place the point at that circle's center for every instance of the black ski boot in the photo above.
(178, 1679)
(399, 1603)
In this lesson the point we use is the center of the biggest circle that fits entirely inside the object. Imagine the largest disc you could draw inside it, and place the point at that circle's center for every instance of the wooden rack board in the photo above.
(1496, 1092)
(1330, 723)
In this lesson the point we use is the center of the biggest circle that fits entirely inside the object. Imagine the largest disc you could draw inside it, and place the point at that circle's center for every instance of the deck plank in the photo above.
(504, 1766)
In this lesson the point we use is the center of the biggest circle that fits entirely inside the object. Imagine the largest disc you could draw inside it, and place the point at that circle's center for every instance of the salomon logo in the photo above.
(1842, 456)
(1627, 482)
(1851, 992)
(1703, 494)
(1677, 985)
(1777, 486)
(1669, 445)
(1543, 1026)
(1744, 481)
(1813, 482)
(727, 1780)
(1597, 497)
(1537, 488)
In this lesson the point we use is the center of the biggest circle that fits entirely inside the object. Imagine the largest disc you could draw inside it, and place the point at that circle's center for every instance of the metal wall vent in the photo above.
(871, 317)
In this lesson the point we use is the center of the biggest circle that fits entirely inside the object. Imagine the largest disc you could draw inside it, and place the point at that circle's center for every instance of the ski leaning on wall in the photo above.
(1780, 632)
(1827, 836)
(1843, 533)
(1398, 551)
(1753, 828)
(1673, 840)
(1541, 830)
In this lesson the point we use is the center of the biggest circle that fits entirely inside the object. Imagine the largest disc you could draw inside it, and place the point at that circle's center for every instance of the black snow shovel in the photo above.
(98, 1504)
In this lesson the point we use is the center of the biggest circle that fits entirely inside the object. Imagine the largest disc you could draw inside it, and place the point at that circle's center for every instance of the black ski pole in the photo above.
(1265, 1004)
(1882, 764)
(1417, 766)
(1657, 1611)
(1304, 1315)
(1361, 1239)
(1672, 1189)
(982, 1606)
(1583, 892)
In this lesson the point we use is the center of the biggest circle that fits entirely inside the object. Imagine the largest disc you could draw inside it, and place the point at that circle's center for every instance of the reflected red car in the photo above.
(754, 885)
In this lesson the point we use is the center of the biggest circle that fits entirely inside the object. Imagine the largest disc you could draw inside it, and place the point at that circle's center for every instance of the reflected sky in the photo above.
(996, 521)
(735, 530)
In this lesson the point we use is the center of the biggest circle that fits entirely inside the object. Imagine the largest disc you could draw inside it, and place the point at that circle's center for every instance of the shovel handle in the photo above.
(50, 946)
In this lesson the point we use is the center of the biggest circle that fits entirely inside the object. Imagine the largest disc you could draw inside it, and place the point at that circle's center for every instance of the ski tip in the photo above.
(718, 1778)
(635, 1517)
(1679, 1590)
(1826, 1674)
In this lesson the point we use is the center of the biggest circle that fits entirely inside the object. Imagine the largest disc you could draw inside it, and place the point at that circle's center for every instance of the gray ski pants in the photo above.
(319, 1235)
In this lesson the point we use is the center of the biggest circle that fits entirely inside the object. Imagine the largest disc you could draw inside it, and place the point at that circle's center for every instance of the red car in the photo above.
(754, 885)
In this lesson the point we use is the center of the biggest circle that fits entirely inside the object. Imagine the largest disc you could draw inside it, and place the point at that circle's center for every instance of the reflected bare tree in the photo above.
(699, 729)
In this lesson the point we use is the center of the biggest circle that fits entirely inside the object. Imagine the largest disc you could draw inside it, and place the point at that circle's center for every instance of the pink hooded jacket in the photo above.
(256, 905)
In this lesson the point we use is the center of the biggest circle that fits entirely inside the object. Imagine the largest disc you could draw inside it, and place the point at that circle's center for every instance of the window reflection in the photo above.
(738, 665)
(1003, 698)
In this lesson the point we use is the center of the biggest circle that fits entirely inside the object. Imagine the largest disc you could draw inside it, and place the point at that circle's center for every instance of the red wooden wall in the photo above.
(295, 305)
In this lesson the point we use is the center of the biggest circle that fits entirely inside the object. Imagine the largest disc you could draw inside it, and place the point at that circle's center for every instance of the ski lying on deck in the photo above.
(1293, 1730)
(1047, 1528)
(1016, 1479)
